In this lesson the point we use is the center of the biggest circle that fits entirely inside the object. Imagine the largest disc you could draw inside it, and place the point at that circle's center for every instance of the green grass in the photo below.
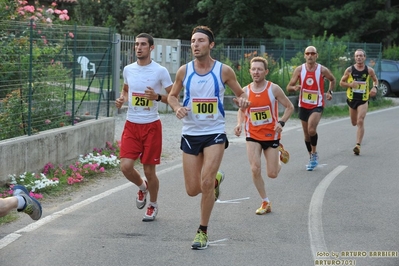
(10, 217)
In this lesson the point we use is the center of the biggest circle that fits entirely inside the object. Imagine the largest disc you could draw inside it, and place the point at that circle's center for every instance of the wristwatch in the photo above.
(282, 123)
(159, 98)
(330, 92)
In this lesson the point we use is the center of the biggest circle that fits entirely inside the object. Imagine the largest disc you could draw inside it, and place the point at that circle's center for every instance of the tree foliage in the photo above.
(349, 20)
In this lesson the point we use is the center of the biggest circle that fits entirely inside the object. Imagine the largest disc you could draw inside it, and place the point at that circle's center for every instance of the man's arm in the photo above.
(174, 94)
(123, 97)
(292, 85)
(328, 75)
(374, 89)
(344, 79)
(283, 99)
(229, 78)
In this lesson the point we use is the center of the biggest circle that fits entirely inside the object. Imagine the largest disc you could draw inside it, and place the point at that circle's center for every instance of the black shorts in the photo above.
(354, 104)
(266, 144)
(304, 113)
(195, 144)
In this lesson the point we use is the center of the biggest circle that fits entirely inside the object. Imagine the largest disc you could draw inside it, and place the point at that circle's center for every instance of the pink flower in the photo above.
(54, 4)
(70, 180)
(47, 121)
(35, 195)
(102, 170)
(71, 35)
(64, 17)
(50, 11)
(30, 9)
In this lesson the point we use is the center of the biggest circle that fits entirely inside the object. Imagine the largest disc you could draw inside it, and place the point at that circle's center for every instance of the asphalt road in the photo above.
(344, 212)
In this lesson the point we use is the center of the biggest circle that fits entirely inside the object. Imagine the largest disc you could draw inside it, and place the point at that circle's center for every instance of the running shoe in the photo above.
(150, 214)
(313, 162)
(200, 240)
(266, 207)
(32, 207)
(284, 155)
(141, 198)
(219, 179)
(356, 149)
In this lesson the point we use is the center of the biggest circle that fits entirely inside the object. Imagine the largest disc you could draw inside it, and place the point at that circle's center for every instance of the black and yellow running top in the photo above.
(362, 91)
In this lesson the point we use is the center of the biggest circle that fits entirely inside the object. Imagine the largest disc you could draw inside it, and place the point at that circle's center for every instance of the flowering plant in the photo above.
(52, 177)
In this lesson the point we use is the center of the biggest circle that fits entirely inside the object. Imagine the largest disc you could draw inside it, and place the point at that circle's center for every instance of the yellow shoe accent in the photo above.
(266, 207)
(200, 240)
(356, 150)
(219, 179)
(284, 155)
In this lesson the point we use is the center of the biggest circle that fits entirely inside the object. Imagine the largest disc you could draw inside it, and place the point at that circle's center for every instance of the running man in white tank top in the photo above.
(203, 135)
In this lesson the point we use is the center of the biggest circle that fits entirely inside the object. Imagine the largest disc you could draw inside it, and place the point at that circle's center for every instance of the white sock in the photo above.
(21, 202)
(266, 199)
(143, 186)
(154, 204)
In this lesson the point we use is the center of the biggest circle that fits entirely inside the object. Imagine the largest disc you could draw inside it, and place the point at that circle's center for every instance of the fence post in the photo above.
(30, 77)
(116, 66)
(242, 59)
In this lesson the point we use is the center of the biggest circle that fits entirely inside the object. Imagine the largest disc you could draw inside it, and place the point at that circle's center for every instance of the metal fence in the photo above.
(52, 76)
(284, 55)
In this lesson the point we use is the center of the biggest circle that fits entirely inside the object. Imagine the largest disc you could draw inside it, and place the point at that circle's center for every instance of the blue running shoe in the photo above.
(315, 159)
(313, 162)
(32, 206)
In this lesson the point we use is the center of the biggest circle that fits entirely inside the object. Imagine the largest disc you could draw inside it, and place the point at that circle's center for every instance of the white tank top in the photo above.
(204, 94)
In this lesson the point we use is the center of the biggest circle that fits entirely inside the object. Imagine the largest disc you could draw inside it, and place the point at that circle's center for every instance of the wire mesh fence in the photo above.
(53, 76)
(49, 75)
(284, 55)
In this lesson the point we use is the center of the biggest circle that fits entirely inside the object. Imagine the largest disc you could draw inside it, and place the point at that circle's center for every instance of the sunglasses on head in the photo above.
(310, 53)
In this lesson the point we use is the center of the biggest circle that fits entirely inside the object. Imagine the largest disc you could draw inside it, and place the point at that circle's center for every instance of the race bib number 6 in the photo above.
(205, 108)
(309, 96)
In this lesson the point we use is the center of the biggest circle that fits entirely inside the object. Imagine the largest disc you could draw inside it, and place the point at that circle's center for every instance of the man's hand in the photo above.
(119, 102)
(242, 102)
(238, 130)
(150, 94)
(182, 112)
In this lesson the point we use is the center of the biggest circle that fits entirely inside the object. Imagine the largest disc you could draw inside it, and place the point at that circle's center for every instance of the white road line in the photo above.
(232, 200)
(315, 224)
(8, 239)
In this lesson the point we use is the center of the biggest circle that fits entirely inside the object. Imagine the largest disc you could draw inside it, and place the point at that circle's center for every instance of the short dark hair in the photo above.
(148, 36)
(205, 30)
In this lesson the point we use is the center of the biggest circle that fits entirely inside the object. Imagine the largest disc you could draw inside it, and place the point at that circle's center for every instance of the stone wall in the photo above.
(58, 146)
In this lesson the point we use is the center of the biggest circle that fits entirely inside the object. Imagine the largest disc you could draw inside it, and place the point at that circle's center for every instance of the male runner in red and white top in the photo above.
(311, 77)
